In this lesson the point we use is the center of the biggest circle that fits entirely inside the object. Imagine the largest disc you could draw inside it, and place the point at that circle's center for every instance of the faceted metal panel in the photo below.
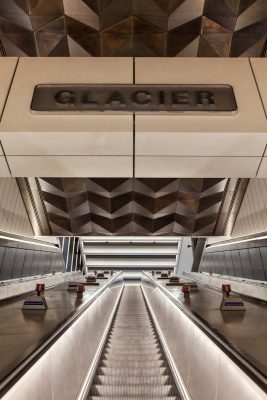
(210, 28)
(133, 206)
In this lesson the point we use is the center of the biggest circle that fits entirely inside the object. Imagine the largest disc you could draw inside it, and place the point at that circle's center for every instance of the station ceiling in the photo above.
(134, 28)
(205, 28)
(131, 206)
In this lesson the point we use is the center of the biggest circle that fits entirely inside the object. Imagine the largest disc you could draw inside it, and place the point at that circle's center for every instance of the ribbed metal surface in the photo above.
(133, 365)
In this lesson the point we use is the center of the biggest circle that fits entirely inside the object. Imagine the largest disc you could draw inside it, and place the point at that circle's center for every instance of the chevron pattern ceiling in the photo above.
(208, 28)
(132, 206)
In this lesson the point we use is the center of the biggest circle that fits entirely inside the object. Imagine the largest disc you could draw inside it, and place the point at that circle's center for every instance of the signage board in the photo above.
(87, 98)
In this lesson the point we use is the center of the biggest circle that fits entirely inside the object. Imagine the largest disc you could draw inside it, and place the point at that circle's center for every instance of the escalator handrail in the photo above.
(249, 369)
(243, 281)
(26, 364)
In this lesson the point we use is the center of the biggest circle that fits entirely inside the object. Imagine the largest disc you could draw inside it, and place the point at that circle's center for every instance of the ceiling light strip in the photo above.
(237, 242)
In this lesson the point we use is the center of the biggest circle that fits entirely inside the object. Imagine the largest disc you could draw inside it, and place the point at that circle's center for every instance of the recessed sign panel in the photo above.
(134, 98)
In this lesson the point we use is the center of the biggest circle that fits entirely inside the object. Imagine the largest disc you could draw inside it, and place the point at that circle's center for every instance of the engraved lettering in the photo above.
(116, 99)
(205, 98)
(141, 97)
(65, 97)
(180, 97)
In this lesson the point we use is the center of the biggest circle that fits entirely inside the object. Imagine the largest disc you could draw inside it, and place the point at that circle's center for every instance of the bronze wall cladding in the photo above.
(208, 28)
(133, 206)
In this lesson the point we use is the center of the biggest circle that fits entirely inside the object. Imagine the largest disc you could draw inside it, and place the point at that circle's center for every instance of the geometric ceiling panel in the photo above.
(174, 28)
(131, 206)
(217, 37)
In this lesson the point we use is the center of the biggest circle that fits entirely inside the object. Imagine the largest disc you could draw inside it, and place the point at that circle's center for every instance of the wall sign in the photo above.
(203, 99)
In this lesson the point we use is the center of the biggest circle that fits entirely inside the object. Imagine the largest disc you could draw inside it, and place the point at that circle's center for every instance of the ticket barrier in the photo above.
(37, 301)
(80, 289)
(231, 302)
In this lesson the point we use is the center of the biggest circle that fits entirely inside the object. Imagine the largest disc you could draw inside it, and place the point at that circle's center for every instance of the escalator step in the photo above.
(133, 365)
(131, 390)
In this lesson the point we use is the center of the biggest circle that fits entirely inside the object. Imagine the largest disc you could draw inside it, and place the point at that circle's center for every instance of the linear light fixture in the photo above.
(133, 239)
(27, 241)
(238, 241)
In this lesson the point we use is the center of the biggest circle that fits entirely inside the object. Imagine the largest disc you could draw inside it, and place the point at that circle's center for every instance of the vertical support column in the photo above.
(198, 254)
(179, 245)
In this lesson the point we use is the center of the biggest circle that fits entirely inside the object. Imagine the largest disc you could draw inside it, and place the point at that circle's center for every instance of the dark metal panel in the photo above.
(47, 260)
(211, 263)
(257, 266)
(237, 268)
(8, 261)
(204, 263)
(54, 263)
(57, 263)
(18, 263)
(221, 263)
(224, 262)
(245, 264)
(41, 263)
(134, 98)
(28, 263)
(2, 253)
(263, 252)
(62, 266)
(35, 263)
(46, 263)
(229, 262)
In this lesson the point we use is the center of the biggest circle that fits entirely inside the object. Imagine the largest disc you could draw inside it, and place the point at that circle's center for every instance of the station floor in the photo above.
(245, 331)
(21, 332)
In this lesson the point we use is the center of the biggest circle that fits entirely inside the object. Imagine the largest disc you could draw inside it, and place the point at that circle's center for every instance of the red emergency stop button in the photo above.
(226, 289)
(80, 288)
(40, 288)
(186, 288)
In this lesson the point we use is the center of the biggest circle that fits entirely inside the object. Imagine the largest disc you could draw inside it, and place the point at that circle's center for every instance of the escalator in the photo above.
(133, 365)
